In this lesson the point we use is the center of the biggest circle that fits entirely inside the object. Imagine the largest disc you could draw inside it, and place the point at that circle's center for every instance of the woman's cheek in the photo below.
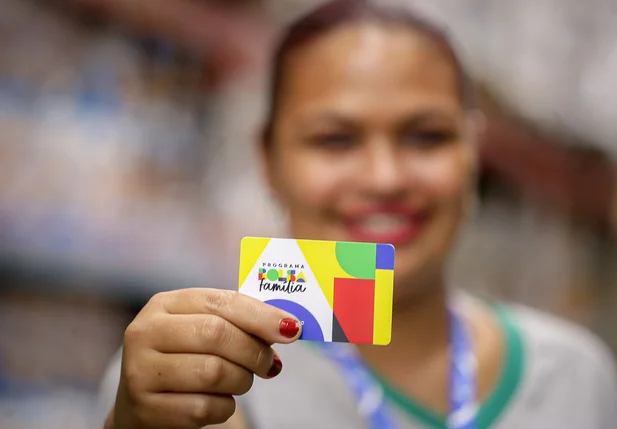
(312, 184)
(444, 179)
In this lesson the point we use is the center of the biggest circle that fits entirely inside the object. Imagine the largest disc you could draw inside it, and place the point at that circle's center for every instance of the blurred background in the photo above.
(127, 167)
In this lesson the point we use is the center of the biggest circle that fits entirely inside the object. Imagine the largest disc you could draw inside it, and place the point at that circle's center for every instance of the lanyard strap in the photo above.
(369, 394)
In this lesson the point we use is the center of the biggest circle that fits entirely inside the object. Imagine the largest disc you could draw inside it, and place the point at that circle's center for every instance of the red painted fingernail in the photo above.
(289, 328)
(276, 368)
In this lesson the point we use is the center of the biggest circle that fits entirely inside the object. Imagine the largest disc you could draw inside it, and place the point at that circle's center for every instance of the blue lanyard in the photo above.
(369, 394)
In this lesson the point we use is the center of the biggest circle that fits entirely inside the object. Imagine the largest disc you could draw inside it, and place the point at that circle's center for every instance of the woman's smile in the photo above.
(385, 224)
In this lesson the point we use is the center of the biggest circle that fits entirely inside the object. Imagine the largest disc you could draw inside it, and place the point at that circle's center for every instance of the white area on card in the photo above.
(285, 254)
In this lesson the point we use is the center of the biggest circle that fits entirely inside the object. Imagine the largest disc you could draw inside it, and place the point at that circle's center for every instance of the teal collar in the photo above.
(497, 402)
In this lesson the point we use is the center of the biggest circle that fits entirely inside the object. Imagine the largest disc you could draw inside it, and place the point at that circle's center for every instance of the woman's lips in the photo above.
(395, 228)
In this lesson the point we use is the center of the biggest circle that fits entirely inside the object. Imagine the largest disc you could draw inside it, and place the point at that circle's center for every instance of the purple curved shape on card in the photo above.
(311, 331)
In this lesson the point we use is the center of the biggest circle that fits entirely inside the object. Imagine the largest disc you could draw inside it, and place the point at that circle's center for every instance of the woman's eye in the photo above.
(335, 141)
(428, 138)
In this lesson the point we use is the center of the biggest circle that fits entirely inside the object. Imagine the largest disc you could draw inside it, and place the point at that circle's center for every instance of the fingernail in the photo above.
(289, 328)
(276, 368)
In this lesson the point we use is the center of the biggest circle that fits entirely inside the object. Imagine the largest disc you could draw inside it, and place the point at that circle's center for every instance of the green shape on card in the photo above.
(273, 275)
(357, 259)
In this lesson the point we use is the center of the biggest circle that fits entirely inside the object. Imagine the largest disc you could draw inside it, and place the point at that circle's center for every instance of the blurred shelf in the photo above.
(71, 274)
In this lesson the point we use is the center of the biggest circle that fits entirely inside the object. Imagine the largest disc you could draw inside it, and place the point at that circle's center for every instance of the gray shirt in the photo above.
(555, 376)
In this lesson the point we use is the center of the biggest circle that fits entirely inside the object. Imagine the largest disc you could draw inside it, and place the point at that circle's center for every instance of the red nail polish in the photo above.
(276, 368)
(289, 328)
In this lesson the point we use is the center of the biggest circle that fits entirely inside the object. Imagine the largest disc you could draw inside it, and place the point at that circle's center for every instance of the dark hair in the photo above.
(338, 12)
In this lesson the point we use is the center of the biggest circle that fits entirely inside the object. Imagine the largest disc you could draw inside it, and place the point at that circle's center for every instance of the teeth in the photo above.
(383, 223)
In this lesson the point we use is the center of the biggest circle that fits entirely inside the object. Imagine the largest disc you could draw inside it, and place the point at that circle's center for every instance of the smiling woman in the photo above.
(363, 142)
(370, 138)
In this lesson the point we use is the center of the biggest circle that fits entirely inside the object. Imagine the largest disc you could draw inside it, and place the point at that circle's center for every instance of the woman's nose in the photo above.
(384, 173)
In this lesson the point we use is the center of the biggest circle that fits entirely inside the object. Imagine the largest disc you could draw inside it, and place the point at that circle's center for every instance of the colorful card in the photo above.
(340, 291)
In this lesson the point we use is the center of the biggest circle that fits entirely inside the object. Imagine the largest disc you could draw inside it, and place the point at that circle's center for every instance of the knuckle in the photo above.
(214, 375)
(133, 379)
(209, 410)
(159, 298)
(201, 412)
(135, 332)
(218, 300)
(216, 330)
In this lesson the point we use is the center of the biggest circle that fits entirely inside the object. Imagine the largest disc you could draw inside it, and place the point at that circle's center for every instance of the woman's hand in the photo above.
(189, 351)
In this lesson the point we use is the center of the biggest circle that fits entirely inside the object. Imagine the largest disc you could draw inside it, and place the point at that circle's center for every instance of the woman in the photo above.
(370, 137)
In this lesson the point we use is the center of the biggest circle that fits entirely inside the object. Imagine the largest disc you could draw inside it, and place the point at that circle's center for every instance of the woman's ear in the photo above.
(476, 123)
(476, 128)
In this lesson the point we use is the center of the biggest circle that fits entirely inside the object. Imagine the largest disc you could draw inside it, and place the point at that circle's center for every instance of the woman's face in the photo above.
(371, 145)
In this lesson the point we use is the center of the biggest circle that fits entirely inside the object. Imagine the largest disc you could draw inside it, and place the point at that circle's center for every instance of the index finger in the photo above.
(254, 317)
